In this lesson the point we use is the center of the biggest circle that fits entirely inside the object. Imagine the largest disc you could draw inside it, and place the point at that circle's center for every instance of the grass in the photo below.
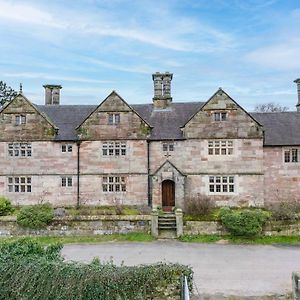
(46, 240)
(260, 240)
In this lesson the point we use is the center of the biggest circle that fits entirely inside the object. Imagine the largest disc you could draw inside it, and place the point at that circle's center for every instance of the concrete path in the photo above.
(224, 269)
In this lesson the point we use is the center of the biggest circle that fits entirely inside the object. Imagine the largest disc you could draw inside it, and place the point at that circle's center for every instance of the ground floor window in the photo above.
(20, 184)
(114, 184)
(221, 184)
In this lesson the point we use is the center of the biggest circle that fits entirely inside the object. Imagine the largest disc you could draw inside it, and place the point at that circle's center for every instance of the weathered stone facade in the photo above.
(115, 153)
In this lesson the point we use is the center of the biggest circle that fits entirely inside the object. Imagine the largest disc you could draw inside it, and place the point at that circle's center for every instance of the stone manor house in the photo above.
(156, 154)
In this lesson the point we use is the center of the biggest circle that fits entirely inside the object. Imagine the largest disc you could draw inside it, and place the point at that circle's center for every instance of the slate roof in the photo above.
(280, 128)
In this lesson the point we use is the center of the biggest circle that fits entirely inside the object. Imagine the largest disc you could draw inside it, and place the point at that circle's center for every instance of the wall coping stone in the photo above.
(89, 218)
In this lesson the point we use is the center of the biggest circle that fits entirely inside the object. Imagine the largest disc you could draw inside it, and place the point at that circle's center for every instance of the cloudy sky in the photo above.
(250, 48)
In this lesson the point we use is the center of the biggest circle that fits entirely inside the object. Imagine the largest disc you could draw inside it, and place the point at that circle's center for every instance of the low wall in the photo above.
(271, 228)
(80, 225)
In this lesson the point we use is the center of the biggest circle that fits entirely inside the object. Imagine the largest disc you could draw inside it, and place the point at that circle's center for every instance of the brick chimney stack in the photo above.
(162, 90)
(297, 81)
(52, 94)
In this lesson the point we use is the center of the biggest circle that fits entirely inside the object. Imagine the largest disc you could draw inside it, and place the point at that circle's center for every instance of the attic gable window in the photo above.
(20, 120)
(113, 119)
(220, 116)
(292, 155)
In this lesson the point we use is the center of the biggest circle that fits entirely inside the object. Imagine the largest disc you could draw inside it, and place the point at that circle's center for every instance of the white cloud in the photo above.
(174, 32)
(33, 75)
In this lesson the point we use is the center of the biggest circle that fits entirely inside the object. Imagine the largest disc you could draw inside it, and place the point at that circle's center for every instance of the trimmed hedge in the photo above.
(35, 216)
(244, 222)
(39, 275)
(5, 206)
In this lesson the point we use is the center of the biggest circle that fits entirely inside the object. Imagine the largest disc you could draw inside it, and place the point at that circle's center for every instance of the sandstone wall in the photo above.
(281, 180)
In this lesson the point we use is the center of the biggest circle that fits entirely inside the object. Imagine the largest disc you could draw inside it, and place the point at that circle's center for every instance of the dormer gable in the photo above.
(222, 117)
(114, 118)
(20, 120)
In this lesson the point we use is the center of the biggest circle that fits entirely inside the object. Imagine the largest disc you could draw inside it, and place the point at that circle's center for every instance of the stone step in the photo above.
(166, 223)
(167, 234)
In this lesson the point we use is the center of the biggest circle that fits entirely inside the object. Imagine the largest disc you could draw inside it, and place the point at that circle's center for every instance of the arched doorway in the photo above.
(168, 194)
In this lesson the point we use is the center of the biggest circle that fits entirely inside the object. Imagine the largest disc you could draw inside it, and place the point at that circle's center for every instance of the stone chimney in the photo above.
(52, 94)
(297, 81)
(162, 90)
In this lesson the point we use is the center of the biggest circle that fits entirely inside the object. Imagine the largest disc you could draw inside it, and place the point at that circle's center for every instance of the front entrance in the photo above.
(168, 195)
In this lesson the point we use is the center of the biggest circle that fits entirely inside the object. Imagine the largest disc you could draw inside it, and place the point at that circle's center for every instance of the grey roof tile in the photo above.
(280, 128)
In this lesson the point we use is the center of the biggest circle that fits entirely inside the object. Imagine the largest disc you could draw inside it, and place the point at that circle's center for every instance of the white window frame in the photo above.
(220, 147)
(116, 149)
(66, 148)
(222, 184)
(291, 155)
(168, 146)
(66, 181)
(21, 150)
(114, 184)
(114, 118)
(20, 120)
(220, 116)
(19, 184)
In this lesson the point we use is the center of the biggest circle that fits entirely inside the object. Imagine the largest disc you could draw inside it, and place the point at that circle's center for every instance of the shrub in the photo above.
(5, 207)
(35, 276)
(200, 205)
(285, 211)
(35, 216)
(243, 222)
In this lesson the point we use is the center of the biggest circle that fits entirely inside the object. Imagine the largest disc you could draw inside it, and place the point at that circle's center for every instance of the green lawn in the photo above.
(262, 240)
(45, 240)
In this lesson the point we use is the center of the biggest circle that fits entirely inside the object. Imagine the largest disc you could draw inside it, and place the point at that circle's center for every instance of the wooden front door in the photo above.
(168, 194)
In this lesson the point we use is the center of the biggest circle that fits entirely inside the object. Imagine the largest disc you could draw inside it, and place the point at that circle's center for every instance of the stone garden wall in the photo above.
(80, 225)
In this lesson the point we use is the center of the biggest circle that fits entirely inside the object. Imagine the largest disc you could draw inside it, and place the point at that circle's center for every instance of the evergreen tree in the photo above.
(6, 93)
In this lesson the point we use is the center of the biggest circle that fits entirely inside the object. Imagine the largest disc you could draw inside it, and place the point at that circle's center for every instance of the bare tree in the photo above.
(270, 107)
(6, 93)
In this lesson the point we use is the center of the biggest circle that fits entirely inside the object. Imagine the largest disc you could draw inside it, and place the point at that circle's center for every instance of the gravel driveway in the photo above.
(225, 269)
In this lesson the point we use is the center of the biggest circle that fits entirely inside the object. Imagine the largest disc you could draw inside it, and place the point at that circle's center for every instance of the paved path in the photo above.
(225, 269)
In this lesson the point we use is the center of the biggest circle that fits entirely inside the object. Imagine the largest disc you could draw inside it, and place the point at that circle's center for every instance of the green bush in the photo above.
(35, 276)
(35, 216)
(243, 222)
(5, 207)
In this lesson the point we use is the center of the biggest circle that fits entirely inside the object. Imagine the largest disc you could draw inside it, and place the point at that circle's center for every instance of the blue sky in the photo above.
(249, 48)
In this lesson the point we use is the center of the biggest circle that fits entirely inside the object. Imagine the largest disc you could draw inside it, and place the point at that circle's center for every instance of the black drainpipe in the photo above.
(78, 173)
(149, 177)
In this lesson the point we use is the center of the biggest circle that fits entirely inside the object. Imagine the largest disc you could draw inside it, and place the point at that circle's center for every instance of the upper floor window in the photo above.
(19, 184)
(20, 120)
(113, 184)
(113, 119)
(292, 155)
(66, 148)
(113, 148)
(221, 184)
(19, 149)
(66, 181)
(220, 116)
(168, 146)
(222, 147)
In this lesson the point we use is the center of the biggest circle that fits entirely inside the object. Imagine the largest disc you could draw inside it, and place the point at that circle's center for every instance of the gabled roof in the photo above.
(46, 117)
(167, 162)
(221, 90)
(116, 94)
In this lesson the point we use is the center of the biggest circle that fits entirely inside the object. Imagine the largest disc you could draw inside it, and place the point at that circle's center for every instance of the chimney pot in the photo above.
(162, 89)
(52, 94)
(297, 81)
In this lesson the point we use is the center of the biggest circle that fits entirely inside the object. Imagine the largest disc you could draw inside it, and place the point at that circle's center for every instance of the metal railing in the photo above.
(184, 288)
